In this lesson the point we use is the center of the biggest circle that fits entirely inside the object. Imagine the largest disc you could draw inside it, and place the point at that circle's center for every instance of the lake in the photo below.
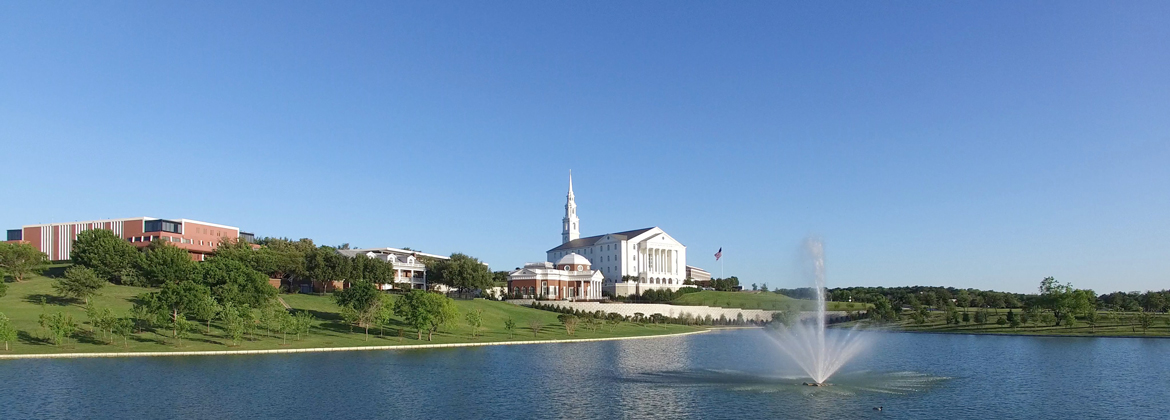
(723, 374)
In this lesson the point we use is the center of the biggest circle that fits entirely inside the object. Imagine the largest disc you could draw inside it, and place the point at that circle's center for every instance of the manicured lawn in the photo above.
(1107, 325)
(22, 305)
(758, 300)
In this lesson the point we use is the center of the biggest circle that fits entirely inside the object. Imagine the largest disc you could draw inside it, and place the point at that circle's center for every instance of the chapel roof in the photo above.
(584, 242)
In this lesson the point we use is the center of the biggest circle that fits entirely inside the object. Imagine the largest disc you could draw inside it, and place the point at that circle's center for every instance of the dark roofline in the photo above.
(584, 242)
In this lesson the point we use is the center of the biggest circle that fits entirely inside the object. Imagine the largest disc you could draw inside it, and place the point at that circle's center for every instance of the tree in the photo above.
(474, 320)
(510, 325)
(425, 310)
(1063, 299)
(175, 301)
(21, 260)
(235, 282)
(102, 320)
(783, 318)
(883, 311)
(8, 331)
(79, 283)
(1001, 320)
(59, 324)
(535, 325)
(569, 321)
(1145, 320)
(1092, 318)
(110, 257)
(1012, 319)
(233, 322)
(302, 322)
(181, 327)
(164, 263)
(461, 272)
(755, 287)
(207, 309)
(364, 298)
(325, 265)
(124, 327)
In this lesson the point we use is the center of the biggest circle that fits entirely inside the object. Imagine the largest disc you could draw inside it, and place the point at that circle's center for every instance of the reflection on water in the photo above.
(843, 384)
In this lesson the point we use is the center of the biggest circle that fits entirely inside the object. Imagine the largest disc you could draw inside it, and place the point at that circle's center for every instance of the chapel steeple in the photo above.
(571, 226)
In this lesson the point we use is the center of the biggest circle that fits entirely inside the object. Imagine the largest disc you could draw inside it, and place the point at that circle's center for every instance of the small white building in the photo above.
(570, 278)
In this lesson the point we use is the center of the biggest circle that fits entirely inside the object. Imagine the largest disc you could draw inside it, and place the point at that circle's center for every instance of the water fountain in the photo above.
(820, 353)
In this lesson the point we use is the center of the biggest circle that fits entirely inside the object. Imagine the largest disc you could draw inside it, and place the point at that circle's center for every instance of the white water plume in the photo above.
(818, 352)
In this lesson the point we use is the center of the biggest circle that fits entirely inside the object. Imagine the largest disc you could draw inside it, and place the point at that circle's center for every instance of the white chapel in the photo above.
(649, 257)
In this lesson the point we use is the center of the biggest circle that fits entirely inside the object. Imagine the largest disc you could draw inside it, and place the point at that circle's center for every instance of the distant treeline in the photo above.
(939, 297)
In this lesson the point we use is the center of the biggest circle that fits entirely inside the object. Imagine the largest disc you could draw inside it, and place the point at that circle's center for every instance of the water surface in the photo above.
(727, 374)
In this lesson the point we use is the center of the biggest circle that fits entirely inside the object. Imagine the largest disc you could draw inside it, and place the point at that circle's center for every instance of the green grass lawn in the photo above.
(758, 300)
(1108, 325)
(22, 305)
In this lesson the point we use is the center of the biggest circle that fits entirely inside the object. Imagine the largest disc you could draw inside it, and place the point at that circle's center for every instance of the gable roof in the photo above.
(584, 242)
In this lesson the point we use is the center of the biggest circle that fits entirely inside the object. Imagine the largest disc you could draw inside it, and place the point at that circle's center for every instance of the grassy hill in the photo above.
(23, 305)
(758, 300)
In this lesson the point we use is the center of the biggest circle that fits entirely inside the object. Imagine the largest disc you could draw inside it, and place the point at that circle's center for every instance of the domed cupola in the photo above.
(573, 262)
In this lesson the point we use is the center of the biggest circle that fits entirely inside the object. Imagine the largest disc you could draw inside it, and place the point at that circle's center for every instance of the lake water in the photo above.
(726, 374)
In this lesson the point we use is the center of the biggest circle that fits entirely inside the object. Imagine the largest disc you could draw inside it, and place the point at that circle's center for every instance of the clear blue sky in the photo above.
(967, 144)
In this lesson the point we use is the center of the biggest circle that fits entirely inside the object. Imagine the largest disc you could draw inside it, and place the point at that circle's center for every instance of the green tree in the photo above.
(110, 257)
(164, 263)
(782, 318)
(235, 282)
(569, 321)
(1092, 318)
(422, 309)
(1012, 319)
(60, 325)
(175, 301)
(181, 327)
(79, 283)
(474, 320)
(460, 272)
(302, 322)
(883, 311)
(1001, 320)
(207, 310)
(21, 260)
(510, 326)
(8, 331)
(1145, 320)
(124, 327)
(102, 320)
(233, 322)
(1063, 299)
(364, 299)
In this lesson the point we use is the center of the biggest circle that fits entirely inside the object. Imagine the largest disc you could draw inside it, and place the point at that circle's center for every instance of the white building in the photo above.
(408, 266)
(651, 258)
(571, 278)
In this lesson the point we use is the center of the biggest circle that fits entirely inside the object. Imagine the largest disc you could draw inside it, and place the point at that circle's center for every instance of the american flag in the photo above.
(719, 254)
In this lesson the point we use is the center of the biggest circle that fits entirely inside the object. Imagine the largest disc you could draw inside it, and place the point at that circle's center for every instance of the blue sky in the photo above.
(967, 144)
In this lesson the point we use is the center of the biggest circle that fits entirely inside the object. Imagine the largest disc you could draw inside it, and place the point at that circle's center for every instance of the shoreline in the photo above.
(331, 349)
(1025, 334)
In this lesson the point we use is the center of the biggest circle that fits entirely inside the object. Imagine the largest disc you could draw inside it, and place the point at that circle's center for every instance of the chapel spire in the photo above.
(571, 226)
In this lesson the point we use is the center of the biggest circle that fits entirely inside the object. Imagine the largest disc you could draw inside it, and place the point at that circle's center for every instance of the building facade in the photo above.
(698, 275)
(570, 278)
(408, 265)
(631, 261)
(199, 238)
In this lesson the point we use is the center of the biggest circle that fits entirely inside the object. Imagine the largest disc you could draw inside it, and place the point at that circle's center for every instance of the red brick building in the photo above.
(198, 238)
